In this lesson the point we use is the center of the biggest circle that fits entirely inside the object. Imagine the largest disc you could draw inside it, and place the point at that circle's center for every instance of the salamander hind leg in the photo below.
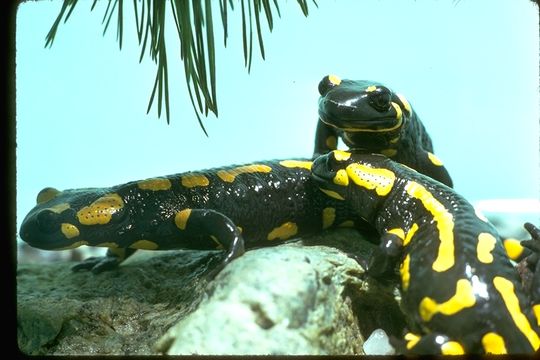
(382, 262)
(207, 223)
(110, 261)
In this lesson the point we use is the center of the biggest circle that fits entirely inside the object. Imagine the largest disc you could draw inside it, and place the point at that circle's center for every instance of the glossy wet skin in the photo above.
(269, 201)
(370, 118)
(458, 286)
(359, 105)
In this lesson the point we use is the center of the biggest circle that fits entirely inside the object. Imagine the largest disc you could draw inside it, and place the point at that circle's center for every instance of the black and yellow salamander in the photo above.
(458, 287)
(369, 117)
(260, 203)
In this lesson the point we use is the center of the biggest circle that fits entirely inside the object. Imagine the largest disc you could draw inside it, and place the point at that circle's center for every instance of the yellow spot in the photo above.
(46, 195)
(347, 224)
(328, 217)
(332, 194)
(240, 229)
(380, 180)
(334, 79)
(513, 248)
(389, 152)
(486, 244)
(410, 234)
(371, 88)
(69, 230)
(398, 232)
(434, 159)
(411, 339)
(405, 103)
(341, 155)
(480, 215)
(101, 210)
(194, 180)
(74, 245)
(154, 184)
(404, 272)
(59, 208)
(230, 175)
(463, 298)
(283, 232)
(296, 164)
(493, 343)
(536, 311)
(395, 140)
(445, 225)
(181, 218)
(331, 142)
(452, 348)
(506, 289)
(144, 245)
(110, 245)
(341, 178)
(399, 114)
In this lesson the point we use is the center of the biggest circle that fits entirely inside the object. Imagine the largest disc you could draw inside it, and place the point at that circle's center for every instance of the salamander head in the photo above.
(368, 112)
(363, 180)
(58, 219)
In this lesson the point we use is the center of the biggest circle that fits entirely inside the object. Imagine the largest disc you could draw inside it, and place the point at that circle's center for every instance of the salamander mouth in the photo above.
(362, 125)
(359, 119)
(40, 241)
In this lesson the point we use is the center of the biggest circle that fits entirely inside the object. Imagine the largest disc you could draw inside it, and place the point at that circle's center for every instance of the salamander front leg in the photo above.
(383, 260)
(210, 224)
(325, 139)
(111, 260)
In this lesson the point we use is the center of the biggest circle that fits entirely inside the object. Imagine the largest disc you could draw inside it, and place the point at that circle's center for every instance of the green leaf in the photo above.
(195, 30)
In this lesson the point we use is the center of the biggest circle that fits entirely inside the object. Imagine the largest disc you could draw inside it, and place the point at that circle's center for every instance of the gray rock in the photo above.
(295, 298)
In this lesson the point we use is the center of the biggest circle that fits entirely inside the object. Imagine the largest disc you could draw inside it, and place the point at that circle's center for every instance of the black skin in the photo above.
(258, 202)
(532, 261)
(363, 114)
(415, 201)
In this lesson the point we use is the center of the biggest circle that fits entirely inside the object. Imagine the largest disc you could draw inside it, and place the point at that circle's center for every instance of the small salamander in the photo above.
(258, 203)
(458, 287)
(371, 118)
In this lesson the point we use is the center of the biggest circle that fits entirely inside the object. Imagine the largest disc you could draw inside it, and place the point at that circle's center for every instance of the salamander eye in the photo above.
(327, 83)
(380, 98)
(48, 221)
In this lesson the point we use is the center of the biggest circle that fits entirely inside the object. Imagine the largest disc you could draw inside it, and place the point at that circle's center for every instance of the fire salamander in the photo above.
(369, 117)
(458, 287)
(221, 208)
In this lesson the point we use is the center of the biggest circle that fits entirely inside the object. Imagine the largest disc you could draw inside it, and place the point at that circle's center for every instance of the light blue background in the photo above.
(470, 69)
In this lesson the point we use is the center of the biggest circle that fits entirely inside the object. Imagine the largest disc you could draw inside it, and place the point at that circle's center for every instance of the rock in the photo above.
(378, 344)
(295, 298)
(60, 312)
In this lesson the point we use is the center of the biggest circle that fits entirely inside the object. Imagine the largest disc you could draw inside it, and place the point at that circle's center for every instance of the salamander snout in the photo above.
(328, 171)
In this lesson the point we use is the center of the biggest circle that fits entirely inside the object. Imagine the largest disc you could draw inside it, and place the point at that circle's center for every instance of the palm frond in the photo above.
(195, 29)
